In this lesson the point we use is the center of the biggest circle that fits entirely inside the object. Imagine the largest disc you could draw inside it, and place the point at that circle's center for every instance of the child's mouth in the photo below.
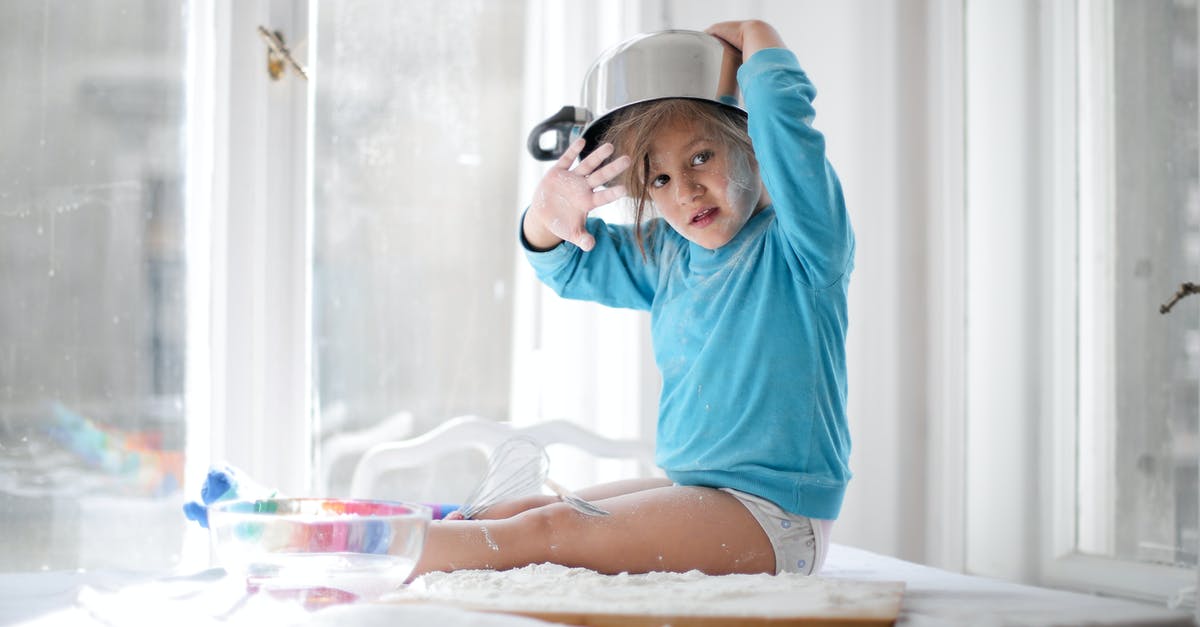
(704, 218)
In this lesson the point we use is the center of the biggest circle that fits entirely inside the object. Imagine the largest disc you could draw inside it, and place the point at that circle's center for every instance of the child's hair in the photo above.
(632, 130)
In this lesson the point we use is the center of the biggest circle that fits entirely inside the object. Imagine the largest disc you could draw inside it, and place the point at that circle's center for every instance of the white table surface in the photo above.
(933, 598)
(939, 598)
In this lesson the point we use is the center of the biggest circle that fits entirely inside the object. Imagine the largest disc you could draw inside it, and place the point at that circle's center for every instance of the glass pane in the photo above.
(92, 321)
(1155, 247)
(417, 144)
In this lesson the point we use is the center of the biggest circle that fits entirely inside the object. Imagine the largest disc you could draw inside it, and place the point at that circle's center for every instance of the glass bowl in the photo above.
(360, 547)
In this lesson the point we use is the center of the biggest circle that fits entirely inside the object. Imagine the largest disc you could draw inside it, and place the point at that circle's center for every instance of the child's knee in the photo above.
(508, 509)
(554, 521)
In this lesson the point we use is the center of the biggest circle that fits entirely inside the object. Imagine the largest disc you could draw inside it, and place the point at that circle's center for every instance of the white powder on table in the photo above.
(555, 588)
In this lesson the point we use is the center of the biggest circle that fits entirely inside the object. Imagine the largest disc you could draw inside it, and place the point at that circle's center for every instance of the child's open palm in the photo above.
(567, 195)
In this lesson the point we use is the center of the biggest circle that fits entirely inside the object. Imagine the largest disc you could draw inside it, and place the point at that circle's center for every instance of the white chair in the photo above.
(482, 436)
(343, 446)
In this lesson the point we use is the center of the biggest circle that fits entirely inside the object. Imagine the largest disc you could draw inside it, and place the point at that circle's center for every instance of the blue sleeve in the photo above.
(613, 273)
(791, 156)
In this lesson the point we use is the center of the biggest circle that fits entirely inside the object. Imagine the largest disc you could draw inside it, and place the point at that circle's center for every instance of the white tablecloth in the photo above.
(939, 598)
(933, 598)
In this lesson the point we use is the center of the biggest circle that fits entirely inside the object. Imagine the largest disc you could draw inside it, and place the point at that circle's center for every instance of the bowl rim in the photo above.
(225, 508)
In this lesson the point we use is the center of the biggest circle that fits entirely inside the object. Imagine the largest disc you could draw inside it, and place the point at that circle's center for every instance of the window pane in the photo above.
(1154, 247)
(417, 144)
(92, 320)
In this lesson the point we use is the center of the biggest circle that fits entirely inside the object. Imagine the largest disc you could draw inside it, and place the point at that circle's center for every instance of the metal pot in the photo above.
(664, 64)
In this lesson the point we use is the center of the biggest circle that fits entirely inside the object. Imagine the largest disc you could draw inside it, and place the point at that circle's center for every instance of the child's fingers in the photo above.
(593, 161)
(730, 33)
(580, 236)
(609, 194)
(731, 50)
(575, 232)
(564, 162)
(609, 172)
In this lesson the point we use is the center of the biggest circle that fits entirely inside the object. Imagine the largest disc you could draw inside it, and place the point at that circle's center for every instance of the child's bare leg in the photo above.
(660, 529)
(512, 507)
(508, 509)
(625, 486)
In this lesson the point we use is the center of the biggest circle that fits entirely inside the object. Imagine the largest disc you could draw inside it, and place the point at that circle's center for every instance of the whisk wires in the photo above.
(517, 467)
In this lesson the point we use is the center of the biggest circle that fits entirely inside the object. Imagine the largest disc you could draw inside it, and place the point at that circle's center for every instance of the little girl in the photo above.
(745, 275)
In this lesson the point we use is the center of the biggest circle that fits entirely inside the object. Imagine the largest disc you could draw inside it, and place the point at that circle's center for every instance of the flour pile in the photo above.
(551, 588)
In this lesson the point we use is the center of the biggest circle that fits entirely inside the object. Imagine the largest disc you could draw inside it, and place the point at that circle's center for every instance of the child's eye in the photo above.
(659, 181)
(701, 157)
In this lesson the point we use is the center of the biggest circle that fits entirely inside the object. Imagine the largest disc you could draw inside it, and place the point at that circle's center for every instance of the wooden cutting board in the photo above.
(574, 596)
(593, 619)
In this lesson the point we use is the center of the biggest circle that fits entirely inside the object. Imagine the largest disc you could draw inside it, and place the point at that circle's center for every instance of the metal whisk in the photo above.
(517, 467)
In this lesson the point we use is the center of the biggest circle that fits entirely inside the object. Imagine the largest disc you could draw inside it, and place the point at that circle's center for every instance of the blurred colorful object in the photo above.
(137, 458)
(224, 482)
(357, 546)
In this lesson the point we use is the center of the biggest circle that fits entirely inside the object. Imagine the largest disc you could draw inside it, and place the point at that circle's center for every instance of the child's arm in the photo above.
(613, 273)
(566, 195)
(791, 155)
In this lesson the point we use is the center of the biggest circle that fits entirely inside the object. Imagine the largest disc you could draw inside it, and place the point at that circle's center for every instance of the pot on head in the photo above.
(652, 66)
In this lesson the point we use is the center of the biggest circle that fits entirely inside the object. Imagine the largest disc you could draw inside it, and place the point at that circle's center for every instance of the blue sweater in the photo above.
(750, 338)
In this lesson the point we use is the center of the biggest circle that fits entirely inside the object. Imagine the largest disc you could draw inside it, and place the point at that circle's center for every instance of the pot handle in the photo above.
(566, 125)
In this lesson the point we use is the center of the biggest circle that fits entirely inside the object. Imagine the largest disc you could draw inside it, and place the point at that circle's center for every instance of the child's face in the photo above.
(704, 190)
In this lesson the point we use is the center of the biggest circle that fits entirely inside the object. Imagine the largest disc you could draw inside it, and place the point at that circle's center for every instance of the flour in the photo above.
(742, 189)
(554, 588)
(490, 542)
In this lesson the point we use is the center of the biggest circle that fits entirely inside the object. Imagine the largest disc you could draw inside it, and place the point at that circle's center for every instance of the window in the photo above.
(1139, 226)
(417, 144)
(1140, 239)
(422, 303)
(1082, 399)
(92, 323)
(209, 264)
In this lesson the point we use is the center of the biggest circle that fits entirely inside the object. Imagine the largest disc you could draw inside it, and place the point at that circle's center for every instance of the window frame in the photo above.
(1023, 195)
(945, 534)
(1079, 167)
(248, 216)
(1038, 406)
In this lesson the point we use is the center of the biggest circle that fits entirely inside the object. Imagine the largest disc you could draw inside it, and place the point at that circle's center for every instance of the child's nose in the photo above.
(688, 190)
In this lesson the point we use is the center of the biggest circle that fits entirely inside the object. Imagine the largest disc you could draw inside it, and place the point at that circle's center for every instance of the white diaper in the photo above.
(800, 542)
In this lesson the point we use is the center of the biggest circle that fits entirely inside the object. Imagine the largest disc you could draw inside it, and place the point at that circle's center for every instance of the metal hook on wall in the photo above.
(278, 55)
(1187, 289)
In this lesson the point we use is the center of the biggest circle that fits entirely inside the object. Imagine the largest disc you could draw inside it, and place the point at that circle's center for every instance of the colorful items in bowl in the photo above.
(361, 547)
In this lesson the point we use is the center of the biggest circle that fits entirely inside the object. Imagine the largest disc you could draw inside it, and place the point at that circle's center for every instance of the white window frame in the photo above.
(1001, 364)
(947, 463)
(1081, 172)
(1026, 185)
(248, 227)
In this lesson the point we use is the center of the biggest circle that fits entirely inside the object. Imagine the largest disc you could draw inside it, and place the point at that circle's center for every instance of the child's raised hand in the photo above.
(566, 195)
(747, 36)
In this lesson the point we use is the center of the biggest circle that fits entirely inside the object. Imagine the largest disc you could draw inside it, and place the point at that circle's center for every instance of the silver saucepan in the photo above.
(664, 64)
